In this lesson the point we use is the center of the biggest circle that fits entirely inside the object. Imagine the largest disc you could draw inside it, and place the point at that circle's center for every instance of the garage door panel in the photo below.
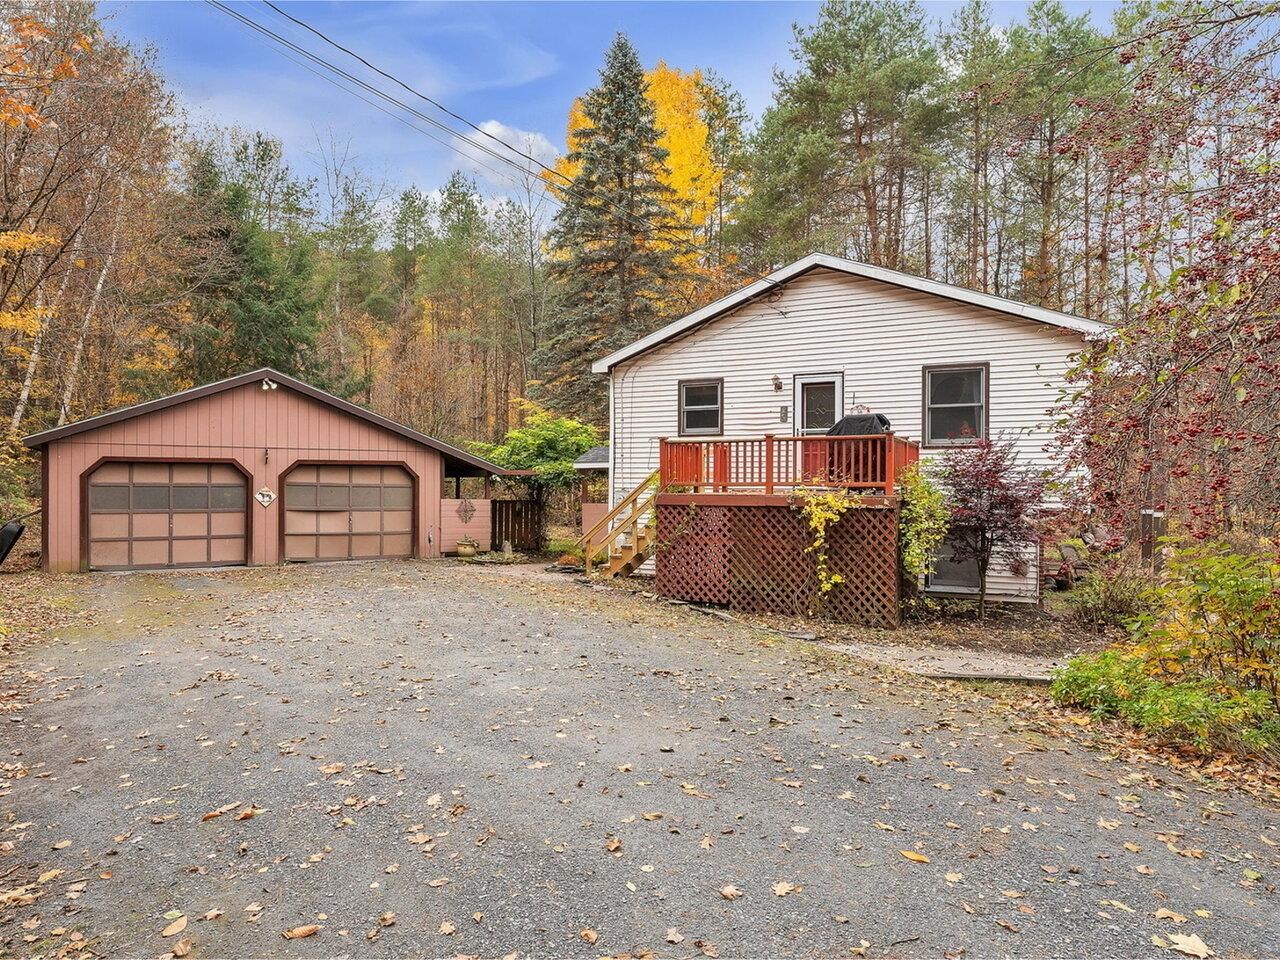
(191, 473)
(397, 521)
(191, 525)
(300, 548)
(105, 525)
(334, 548)
(109, 553)
(227, 524)
(151, 525)
(397, 545)
(333, 521)
(357, 510)
(190, 551)
(227, 551)
(150, 473)
(108, 497)
(150, 553)
(154, 514)
(300, 521)
(366, 522)
(112, 473)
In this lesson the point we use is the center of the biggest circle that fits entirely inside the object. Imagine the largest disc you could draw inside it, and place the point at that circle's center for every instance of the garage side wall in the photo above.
(263, 431)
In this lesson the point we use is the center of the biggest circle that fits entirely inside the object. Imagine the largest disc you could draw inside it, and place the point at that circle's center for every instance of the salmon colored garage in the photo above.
(256, 469)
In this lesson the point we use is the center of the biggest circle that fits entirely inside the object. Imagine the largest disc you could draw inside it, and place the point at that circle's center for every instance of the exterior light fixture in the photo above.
(777, 383)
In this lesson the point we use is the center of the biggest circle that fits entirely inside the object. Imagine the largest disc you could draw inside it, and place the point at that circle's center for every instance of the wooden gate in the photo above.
(519, 521)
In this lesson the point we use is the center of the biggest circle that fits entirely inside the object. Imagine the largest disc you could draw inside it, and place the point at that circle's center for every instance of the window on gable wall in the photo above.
(701, 407)
(955, 405)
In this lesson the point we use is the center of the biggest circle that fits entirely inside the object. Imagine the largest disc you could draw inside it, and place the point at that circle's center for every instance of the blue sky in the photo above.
(513, 66)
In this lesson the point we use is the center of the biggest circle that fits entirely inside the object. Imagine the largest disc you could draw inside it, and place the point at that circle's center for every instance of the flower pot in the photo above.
(467, 549)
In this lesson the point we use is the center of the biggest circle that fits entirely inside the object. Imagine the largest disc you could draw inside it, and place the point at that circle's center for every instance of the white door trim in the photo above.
(797, 398)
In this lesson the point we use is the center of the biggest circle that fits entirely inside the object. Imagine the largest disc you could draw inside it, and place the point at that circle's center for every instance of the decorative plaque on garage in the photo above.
(266, 496)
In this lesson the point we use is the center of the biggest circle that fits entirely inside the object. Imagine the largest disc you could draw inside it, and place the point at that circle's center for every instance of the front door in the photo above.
(819, 401)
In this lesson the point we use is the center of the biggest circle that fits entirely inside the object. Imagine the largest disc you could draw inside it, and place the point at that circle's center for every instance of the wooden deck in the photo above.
(773, 464)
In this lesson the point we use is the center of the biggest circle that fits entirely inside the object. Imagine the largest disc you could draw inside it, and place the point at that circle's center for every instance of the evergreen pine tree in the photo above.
(255, 309)
(614, 241)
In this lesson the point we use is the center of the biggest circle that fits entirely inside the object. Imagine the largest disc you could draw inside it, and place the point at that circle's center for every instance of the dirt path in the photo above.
(525, 765)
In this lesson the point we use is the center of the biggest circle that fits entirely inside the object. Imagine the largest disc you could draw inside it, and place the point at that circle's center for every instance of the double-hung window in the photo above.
(701, 407)
(955, 404)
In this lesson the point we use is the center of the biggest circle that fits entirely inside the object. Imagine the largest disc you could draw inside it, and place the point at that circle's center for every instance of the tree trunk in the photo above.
(73, 372)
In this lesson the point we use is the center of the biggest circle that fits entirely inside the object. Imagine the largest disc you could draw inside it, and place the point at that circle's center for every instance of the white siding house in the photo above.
(823, 336)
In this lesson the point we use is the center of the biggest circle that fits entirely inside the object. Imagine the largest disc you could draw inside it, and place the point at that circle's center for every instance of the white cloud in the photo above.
(516, 145)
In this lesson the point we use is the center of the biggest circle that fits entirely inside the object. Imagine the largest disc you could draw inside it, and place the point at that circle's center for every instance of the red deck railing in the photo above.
(770, 463)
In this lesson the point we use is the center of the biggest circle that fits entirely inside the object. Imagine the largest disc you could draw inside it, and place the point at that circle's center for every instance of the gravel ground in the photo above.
(514, 763)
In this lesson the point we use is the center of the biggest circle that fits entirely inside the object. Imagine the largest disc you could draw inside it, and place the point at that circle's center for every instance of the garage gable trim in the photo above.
(37, 440)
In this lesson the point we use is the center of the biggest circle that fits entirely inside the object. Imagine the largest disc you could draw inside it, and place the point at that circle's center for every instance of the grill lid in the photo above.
(860, 425)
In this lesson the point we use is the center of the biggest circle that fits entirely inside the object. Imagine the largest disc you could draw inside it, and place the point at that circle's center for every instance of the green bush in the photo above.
(1199, 711)
(922, 524)
(1113, 596)
(1202, 662)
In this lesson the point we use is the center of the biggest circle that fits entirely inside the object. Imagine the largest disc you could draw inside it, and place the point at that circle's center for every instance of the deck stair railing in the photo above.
(623, 539)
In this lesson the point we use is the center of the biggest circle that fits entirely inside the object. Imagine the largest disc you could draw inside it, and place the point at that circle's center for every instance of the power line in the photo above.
(571, 187)
(634, 220)
(396, 80)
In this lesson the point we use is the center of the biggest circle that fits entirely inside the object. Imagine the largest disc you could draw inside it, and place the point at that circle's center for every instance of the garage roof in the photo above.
(37, 440)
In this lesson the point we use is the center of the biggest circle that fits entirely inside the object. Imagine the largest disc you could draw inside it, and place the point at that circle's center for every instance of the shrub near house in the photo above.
(1204, 669)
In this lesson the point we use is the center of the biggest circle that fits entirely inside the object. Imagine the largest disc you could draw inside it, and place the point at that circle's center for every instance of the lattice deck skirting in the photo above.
(750, 555)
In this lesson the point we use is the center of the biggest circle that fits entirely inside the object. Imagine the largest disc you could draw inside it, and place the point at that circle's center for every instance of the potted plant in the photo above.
(467, 547)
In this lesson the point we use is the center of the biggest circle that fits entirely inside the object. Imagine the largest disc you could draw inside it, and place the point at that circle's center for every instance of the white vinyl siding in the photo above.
(878, 337)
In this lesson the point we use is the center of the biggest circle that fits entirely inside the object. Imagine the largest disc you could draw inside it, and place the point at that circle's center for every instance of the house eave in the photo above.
(1024, 311)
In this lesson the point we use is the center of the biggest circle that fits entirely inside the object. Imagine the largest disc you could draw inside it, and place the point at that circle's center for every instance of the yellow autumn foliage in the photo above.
(679, 101)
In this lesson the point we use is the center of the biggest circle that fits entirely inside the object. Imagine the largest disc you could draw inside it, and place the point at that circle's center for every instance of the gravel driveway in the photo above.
(431, 759)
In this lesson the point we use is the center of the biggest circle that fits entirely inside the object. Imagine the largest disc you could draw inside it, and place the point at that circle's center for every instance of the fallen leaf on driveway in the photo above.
(248, 813)
(174, 928)
(213, 914)
(914, 857)
(674, 936)
(1164, 913)
(692, 790)
(447, 929)
(953, 877)
(438, 882)
(214, 814)
(1190, 944)
(62, 844)
(297, 933)
(730, 892)
(782, 888)
(589, 935)
(182, 947)
(1012, 928)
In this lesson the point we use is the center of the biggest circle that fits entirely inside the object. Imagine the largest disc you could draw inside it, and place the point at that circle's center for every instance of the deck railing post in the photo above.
(768, 463)
(888, 464)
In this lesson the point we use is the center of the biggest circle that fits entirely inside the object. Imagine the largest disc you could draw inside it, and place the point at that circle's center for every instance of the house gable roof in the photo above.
(37, 440)
(1014, 308)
